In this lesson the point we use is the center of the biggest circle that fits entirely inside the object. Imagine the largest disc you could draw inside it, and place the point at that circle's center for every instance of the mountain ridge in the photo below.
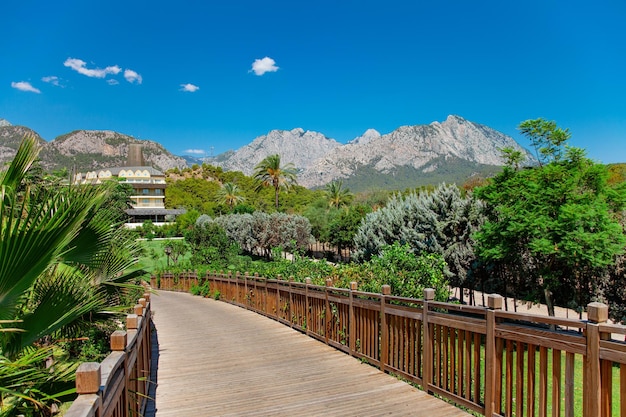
(414, 146)
(452, 151)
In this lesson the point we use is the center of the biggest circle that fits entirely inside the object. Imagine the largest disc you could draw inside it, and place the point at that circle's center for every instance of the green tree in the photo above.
(345, 225)
(209, 243)
(230, 194)
(337, 195)
(269, 172)
(553, 227)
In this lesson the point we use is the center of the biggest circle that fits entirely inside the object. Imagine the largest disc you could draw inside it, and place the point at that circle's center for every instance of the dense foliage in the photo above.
(440, 222)
(552, 230)
(64, 267)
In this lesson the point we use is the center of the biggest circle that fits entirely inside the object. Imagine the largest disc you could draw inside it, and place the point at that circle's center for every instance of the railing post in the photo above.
(427, 370)
(237, 276)
(228, 295)
(597, 313)
(307, 281)
(352, 318)
(279, 278)
(327, 321)
(290, 316)
(384, 343)
(494, 302)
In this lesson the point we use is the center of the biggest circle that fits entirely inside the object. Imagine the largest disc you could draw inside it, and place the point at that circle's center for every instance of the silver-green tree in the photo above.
(441, 222)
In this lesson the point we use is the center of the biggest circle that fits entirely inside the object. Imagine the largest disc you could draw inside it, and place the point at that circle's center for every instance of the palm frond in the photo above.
(33, 233)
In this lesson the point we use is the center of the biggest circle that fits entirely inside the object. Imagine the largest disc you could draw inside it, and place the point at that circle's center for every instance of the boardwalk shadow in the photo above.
(154, 370)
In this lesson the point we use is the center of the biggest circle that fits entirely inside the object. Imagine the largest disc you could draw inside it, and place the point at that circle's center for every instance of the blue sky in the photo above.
(213, 75)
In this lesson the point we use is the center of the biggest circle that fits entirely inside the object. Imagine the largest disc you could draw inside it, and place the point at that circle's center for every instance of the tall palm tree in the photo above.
(337, 195)
(230, 194)
(62, 262)
(269, 173)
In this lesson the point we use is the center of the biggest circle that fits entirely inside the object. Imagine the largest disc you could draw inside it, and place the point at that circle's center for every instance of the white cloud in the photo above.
(194, 151)
(52, 79)
(25, 86)
(261, 66)
(190, 88)
(132, 77)
(80, 66)
(112, 82)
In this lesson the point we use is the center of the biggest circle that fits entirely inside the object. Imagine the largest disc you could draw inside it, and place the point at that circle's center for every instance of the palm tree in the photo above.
(269, 173)
(62, 264)
(337, 195)
(230, 194)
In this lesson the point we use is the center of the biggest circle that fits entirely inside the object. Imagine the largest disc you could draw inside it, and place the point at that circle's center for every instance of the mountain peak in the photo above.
(366, 137)
(4, 122)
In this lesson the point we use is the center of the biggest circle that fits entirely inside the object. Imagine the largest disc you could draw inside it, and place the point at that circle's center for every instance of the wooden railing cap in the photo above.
(132, 321)
(429, 294)
(118, 340)
(494, 301)
(88, 378)
(138, 309)
(597, 312)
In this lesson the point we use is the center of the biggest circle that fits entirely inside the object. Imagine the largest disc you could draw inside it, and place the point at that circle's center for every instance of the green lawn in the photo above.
(154, 257)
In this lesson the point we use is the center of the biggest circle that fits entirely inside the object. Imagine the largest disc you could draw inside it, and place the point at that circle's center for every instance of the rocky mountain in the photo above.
(295, 146)
(448, 151)
(410, 156)
(85, 150)
(10, 138)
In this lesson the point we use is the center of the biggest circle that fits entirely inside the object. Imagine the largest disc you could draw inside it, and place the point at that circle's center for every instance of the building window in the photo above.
(158, 191)
(146, 191)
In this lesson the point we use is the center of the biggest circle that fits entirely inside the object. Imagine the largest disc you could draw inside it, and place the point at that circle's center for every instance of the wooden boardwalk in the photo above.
(216, 359)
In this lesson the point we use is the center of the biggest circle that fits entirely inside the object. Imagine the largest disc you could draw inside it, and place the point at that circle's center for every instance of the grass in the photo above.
(577, 381)
(154, 257)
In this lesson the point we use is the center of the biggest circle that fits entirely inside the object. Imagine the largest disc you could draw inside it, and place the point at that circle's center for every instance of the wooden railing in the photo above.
(182, 281)
(118, 387)
(493, 362)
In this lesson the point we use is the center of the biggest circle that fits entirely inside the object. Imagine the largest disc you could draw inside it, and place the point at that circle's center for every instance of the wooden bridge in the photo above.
(220, 360)
(215, 358)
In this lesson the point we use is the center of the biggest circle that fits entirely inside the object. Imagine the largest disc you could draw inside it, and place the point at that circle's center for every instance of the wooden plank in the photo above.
(543, 338)
(509, 378)
(530, 382)
(556, 383)
(543, 381)
(519, 379)
(235, 362)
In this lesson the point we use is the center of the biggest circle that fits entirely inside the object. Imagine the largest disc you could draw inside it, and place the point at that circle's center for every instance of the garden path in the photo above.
(216, 359)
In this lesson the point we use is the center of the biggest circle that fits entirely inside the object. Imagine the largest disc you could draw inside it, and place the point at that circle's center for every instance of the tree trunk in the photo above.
(276, 198)
(548, 295)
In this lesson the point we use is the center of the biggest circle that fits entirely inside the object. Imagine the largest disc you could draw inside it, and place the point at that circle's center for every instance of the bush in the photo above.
(210, 245)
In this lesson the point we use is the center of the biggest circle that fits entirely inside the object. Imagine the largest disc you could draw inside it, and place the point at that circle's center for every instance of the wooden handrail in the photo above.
(118, 387)
(493, 362)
